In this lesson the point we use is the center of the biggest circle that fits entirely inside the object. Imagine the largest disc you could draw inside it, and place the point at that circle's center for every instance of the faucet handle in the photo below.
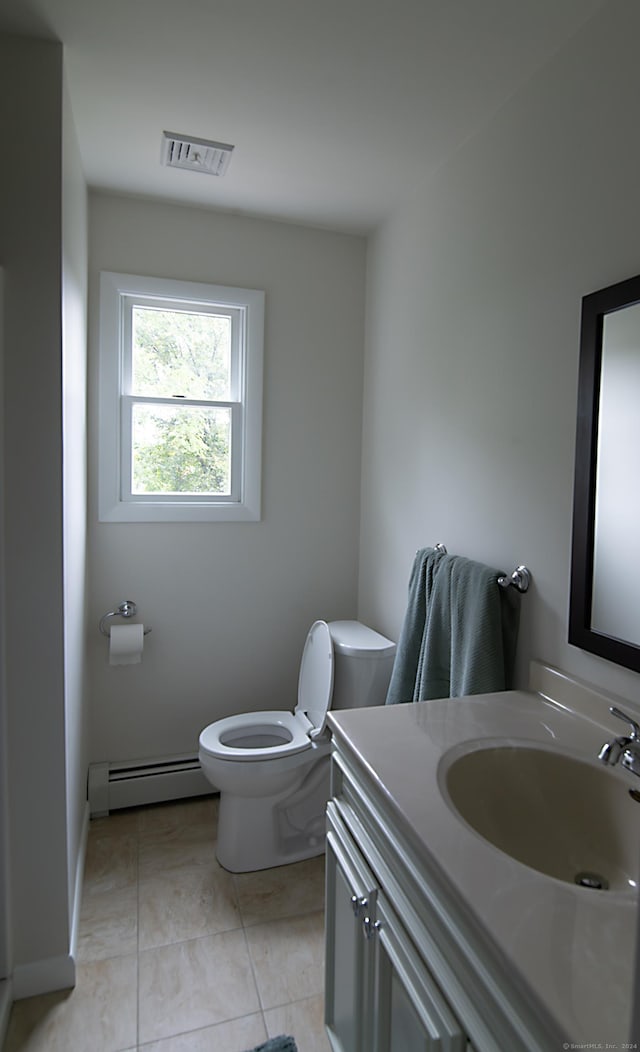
(635, 729)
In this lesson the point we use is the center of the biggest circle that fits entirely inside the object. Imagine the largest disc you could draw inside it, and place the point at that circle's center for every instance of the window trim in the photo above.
(116, 294)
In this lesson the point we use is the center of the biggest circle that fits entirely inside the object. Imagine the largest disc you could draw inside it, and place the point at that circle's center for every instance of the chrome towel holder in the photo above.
(520, 578)
(126, 609)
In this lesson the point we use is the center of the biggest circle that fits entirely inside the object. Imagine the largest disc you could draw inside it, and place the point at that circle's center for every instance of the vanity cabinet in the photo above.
(401, 974)
(351, 900)
(380, 996)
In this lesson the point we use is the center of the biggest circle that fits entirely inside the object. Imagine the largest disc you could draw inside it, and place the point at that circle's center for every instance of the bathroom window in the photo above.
(180, 400)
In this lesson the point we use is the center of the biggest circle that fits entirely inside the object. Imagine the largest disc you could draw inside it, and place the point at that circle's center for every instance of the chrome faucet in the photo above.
(624, 750)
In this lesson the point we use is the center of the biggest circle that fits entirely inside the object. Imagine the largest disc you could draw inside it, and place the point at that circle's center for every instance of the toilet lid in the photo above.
(315, 684)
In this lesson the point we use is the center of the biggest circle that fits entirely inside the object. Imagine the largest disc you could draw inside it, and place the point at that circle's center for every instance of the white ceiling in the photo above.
(334, 106)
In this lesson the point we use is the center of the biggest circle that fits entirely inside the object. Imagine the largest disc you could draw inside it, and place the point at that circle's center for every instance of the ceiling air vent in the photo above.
(198, 155)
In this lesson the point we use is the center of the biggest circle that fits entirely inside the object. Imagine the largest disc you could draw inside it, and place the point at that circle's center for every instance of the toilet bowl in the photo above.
(272, 768)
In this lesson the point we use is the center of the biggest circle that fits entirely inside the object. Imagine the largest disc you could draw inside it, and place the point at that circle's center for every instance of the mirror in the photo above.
(604, 614)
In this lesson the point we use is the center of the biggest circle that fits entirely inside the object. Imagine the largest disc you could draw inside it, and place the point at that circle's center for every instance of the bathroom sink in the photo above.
(573, 820)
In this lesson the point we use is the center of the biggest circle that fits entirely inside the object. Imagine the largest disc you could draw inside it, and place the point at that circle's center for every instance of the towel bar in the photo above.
(520, 578)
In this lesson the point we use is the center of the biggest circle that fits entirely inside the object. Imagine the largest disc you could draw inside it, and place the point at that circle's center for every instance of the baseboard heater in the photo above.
(112, 786)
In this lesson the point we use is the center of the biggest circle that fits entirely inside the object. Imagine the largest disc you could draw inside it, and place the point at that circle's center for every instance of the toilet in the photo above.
(272, 768)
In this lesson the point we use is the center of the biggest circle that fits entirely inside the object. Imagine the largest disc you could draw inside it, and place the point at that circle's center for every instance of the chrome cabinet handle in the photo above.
(358, 905)
(370, 927)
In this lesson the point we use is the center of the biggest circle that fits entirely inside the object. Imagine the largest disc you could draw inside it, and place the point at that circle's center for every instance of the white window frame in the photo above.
(119, 294)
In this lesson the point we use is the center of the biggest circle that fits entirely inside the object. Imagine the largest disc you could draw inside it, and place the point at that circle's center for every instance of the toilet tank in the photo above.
(363, 660)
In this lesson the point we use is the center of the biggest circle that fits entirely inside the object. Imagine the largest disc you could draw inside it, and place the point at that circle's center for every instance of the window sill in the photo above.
(165, 511)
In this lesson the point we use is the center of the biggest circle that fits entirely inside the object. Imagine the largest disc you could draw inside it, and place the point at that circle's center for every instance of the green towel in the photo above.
(278, 1044)
(459, 634)
(405, 666)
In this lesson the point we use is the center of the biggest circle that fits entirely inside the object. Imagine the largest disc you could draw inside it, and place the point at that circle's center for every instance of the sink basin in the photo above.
(570, 819)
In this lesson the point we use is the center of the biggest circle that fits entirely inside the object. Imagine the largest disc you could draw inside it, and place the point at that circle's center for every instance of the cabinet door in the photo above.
(351, 895)
(412, 1014)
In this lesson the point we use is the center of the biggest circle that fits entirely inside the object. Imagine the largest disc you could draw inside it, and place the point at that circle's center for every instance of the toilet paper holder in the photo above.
(126, 609)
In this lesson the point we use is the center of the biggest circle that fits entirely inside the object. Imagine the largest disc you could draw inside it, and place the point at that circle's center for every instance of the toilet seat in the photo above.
(223, 738)
(315, 682)
(245, 737)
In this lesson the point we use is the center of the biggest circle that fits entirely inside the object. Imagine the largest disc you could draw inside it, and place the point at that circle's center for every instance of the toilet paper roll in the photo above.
(125, 644)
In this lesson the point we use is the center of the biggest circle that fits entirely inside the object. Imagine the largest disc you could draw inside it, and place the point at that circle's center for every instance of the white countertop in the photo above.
(573, 947)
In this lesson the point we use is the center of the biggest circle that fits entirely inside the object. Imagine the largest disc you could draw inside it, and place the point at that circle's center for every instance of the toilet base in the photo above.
(262, 832)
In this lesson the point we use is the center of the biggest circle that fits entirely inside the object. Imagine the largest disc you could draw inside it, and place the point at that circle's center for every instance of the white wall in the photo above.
(230, 603)
(30, 243)
(74, 452)
(473, 297)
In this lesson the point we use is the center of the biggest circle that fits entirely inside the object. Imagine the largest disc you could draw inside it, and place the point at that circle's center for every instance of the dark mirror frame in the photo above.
(594, 308)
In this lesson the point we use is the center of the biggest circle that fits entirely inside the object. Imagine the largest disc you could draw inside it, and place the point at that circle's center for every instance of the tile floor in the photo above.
(177, 955)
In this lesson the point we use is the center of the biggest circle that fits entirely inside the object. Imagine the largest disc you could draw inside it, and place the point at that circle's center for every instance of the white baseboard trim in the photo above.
(136, 782)
(43, 977)
(6, 1000)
